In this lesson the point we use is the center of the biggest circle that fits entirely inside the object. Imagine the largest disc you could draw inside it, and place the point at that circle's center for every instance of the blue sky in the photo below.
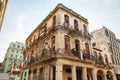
(23, 16)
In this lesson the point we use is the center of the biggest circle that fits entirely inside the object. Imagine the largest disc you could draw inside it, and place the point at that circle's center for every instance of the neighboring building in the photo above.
(14, 53)
(117, 69)
(15, 70)
(60, 49)
(3, 5)
(1, 67)
(108, 42)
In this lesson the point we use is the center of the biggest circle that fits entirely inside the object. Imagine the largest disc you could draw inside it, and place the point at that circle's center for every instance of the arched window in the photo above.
(76, 25)
(54, 22)
(66, 20)
(87, 50)
(67, 44)
(77, 47)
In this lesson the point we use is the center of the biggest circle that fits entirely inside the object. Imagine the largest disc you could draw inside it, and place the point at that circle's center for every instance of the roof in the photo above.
(60, 6)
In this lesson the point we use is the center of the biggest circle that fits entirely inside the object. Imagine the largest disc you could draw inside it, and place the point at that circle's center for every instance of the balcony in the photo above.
(72, 31)
(59, 53)
(75, 55)
(99, 62)
(45, 56)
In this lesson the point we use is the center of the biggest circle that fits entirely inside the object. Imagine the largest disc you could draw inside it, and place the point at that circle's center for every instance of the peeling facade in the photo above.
(107, 41)
(60, 49)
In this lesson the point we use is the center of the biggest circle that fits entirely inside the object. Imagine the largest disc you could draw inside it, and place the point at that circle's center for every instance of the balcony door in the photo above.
(67, 44)
(77, 47)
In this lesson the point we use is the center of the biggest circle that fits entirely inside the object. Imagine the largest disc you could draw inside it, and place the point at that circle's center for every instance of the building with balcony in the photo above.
(60, 49)
(14, 53)
(15, 70)
(106, 39)
(3, 5)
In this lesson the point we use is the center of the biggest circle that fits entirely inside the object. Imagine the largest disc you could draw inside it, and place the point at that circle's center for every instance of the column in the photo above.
(104, 76)
(37, 74)
(51, 73)
(94, 74)
(59, 69)
(84, 75)
(74, 73)
(114, 77)
(31, 76)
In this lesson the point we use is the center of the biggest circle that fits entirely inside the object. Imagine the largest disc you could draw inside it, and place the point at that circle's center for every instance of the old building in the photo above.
(117, 68)
(3, 5)
(106, 39)
(14, 53)
(60, 49)
(15, 70)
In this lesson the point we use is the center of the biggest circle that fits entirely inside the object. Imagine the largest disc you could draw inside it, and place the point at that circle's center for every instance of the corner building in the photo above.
(60, 49)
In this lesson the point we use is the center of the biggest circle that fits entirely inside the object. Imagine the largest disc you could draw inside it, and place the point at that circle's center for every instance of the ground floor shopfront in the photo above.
(66, 69)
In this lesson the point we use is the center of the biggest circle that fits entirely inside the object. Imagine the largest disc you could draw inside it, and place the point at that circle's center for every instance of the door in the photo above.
(78, 73)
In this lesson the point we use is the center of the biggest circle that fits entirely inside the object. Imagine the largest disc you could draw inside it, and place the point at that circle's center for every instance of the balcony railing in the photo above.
(71, 29)
(87, 34)
(46, 55)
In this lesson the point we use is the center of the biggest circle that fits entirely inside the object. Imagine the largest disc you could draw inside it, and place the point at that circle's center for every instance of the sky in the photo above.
(23, 16)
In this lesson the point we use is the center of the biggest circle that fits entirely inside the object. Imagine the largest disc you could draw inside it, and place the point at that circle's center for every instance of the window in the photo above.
(66, 20)
(53, 45)
(13, 45)
(18, 46)
(11, 55)
(54, 22)
(20, 57)
(85, 29)
(110, 49)
(87, 48)
(17, 51)
(95, 55)
(41, 72)
(67, 44)
(68, 70)
(12, 50)
(76, 25)
(77, 47)
(16, 56)
(106, 59)
(106, 32)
